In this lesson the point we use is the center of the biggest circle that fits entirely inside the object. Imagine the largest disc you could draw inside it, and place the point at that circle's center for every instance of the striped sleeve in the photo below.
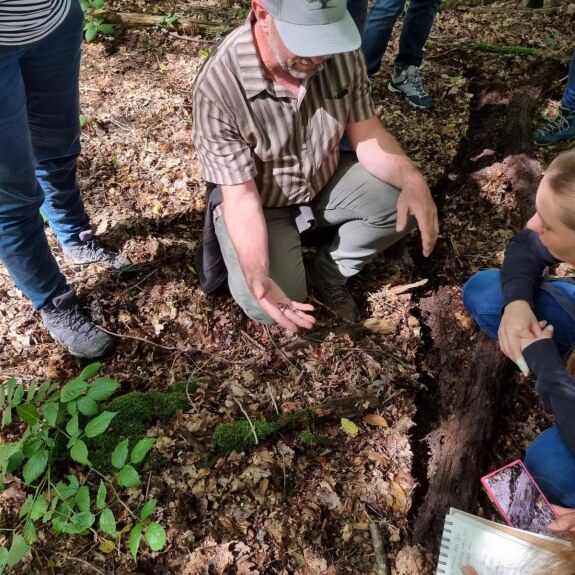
(25, 21)
(225, 157)
(362, 107)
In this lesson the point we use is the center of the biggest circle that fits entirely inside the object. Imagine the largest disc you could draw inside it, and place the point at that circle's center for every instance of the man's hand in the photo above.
(286, 312)
(468, 570)
(415, 200)
(518, 322)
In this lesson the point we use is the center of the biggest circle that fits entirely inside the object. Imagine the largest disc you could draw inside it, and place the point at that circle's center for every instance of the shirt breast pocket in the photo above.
(335, 113)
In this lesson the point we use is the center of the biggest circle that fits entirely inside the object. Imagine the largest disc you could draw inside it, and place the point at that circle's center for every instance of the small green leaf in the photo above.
(203, 54)
(80, 522)
(79, 452)
(31, 391)
(32, 446)
(120, 454)
(10, 387)
(102, 388)
(90, 31)
(7, 417)
(28, 413)
(84, 120)
(108, 522)
(18, 394)
(140, 449)
(101, 495)
(2, 396)
(135, 536)
(29, 532)
(35, 466)
(72, 408)
(3, 558)
(349, 427)
(155, 536)
(66, 491)
(15, 460)
(82, 499)
(147, 509)
(87, 406)
(39, 507)
(128, 477)
(106, 29)
(18, 549)
(43, 390)
(72, 427)
(90, 371)
(50, 412)
(99, 424)
(72, 390)
(26, 507)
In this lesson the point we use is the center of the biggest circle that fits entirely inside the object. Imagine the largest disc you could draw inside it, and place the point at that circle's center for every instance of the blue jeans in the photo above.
(552, 465)
(483, 299)
(416, 27)
(39, 146)
(358, 11)
(568, 100)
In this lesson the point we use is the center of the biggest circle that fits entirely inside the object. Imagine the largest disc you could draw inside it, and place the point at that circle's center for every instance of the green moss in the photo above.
(239, 435)
(309, 438)
(136, 413)
(514, 50)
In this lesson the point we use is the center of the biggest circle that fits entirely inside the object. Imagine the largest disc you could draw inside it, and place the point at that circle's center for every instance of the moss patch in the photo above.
(136, 413)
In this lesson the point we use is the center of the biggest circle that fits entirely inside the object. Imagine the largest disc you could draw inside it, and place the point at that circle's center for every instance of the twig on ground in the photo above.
(250, 338)
(195, 40)
(252, 426)
(83, 561)
(273, 398)
(379, 550)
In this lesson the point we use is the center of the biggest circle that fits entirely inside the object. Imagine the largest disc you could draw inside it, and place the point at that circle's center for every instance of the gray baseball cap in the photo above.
(314, 27)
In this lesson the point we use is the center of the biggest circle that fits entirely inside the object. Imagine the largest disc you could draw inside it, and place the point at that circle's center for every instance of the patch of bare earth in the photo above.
(286, 507)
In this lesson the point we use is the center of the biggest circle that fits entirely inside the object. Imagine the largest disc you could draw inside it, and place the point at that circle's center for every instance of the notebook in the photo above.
(492, 548)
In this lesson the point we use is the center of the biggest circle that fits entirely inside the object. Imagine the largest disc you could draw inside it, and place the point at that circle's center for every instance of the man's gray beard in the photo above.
(296, 74)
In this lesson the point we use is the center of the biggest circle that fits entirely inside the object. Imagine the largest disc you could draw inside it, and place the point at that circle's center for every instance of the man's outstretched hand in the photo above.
(288, 313)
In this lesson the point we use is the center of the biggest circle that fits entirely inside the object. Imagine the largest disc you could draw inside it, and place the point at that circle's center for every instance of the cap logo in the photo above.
(324, 4)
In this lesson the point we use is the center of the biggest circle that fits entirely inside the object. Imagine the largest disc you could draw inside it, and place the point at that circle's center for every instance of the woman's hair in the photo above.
(562, 560)
(561, 179)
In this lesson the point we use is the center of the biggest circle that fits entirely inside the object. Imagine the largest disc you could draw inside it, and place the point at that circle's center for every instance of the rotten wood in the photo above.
(183, 23)
(350, 406)
(461, 413)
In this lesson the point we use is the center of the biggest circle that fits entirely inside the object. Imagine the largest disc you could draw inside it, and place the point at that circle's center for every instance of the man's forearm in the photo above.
(247, 229)
(380, 153)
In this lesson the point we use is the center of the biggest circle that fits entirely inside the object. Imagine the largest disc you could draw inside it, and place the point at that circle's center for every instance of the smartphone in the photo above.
(518, 498)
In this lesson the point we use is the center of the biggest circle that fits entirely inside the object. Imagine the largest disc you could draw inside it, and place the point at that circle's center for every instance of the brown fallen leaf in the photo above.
(374, 419)
(406, 287)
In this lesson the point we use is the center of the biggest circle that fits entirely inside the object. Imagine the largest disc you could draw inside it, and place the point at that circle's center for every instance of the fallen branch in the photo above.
(244, 434)
(379, 550)
(192, 25)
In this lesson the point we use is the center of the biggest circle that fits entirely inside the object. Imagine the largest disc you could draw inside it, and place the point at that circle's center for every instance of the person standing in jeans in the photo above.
(562, 127)
(40, 44)
(376, 31)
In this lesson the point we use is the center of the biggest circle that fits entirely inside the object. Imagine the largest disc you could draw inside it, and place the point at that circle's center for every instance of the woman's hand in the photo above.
(564, 522)
(468, 570)
(518, 322)
(546, 333)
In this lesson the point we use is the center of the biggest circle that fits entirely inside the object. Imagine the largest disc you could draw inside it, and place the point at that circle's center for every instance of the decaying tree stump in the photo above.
(468, 397)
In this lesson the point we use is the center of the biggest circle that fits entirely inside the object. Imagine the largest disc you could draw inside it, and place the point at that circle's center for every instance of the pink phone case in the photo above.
(518, 498)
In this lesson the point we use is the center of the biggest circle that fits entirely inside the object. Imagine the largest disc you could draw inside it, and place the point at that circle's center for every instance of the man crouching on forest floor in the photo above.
(270, 107)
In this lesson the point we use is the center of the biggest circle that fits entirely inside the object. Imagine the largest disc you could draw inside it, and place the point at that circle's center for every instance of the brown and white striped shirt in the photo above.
(247, 126)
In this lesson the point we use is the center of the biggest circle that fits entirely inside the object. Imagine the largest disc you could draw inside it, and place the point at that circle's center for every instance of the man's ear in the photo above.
(260, 13)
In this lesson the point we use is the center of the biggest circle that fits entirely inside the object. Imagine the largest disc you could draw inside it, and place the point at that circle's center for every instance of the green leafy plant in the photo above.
(60, 424)
(94, 23)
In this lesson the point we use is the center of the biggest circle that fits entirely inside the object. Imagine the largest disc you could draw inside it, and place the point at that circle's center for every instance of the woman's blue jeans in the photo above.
(381, 19)
(39, 146)
(568, 100)
(548, 459)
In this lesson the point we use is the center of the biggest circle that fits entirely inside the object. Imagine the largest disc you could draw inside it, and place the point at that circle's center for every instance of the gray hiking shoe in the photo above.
(68, 324)
(408, 82)
(335, 297)
(557, 129)
(91, 252)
